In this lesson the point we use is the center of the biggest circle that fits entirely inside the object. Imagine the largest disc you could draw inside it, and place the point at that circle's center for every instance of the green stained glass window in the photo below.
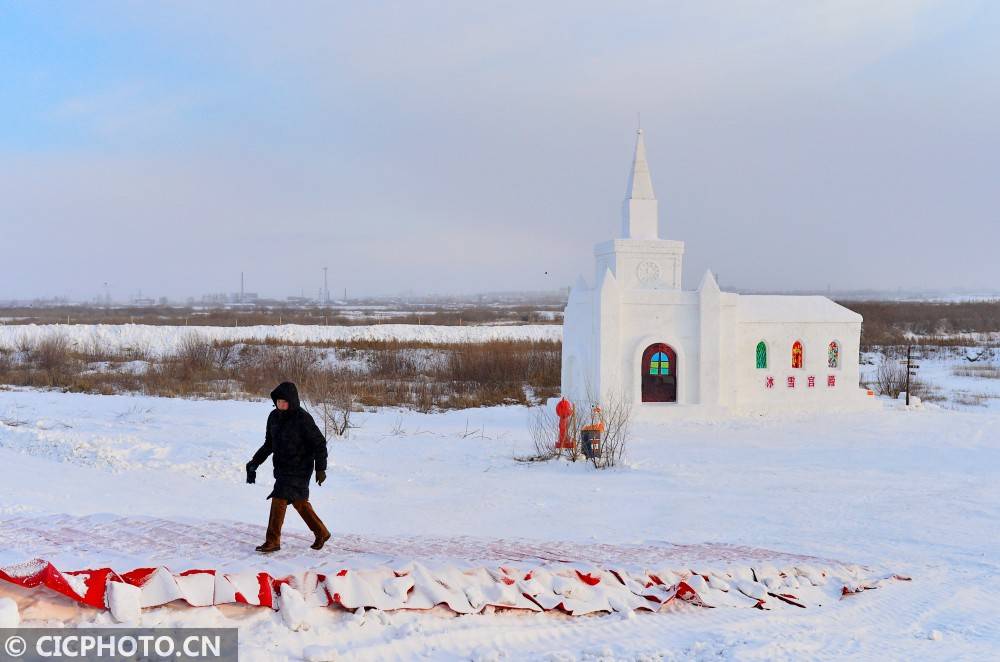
(761, 355)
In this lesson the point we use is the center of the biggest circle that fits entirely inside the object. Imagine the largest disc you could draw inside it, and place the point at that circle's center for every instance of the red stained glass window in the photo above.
(797, 354)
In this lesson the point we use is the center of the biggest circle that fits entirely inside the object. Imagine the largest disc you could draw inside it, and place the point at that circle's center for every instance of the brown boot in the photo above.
(313, 521)
(272, 539)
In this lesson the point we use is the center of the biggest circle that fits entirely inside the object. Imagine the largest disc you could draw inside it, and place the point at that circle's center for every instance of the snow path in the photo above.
(170, 542)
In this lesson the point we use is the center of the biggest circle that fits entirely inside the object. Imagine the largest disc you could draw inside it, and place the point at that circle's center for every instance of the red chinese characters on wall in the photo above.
(812, 381)
(831, 380)
(769, 382)
(791, 382)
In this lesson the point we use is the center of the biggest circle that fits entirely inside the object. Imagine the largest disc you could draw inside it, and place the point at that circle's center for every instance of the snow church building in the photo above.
(638, 336)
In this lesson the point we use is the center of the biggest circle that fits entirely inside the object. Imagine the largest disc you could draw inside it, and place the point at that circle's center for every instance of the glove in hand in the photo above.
(251, 474)
(320, 477)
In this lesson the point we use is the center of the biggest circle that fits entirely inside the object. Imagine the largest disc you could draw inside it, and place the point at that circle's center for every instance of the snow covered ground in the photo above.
(947, 377)
(131, 481)
(163, 339)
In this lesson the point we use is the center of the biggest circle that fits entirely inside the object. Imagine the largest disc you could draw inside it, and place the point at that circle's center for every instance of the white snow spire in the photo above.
(640, 215)
(640, 186)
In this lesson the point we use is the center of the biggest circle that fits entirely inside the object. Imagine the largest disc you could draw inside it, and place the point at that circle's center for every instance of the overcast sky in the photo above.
(472, 146)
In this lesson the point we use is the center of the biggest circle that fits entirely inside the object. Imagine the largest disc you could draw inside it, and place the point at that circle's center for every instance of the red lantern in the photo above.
(564, 410)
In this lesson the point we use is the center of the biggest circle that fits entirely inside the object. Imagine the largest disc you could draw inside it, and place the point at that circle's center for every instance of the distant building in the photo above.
(222, 299)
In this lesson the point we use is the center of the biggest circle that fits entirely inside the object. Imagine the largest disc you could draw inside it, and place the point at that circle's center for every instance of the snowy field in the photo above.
(129, 481)
(160, 340)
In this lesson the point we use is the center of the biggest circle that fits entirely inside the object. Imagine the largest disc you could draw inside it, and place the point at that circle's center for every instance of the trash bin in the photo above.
(590, 441)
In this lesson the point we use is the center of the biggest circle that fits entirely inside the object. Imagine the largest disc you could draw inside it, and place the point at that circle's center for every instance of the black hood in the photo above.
(288, 392)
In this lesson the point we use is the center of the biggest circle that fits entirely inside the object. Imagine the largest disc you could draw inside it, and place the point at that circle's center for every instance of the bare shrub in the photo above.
(224, 355)
(6, 360)
(423, 397)
(613, 414)
(94, 350)
(543, 427)
(24, 344)
(195, 354)
(297, 363)
(332, 395)
(260, 367)
(504, 362)
(394, 363)
(890, 377)
(137, 352)
(616, 414)
(53, 356)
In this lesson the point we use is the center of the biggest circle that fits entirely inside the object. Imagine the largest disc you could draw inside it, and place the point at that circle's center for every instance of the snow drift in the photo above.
(161, 340)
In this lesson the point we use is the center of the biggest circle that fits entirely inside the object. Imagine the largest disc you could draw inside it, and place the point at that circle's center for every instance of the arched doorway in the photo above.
(659, 374)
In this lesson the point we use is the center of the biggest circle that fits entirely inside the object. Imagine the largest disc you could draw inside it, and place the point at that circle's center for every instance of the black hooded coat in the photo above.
(296, 443)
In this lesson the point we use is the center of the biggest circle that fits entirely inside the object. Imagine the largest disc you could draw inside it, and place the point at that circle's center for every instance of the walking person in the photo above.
(297, 446)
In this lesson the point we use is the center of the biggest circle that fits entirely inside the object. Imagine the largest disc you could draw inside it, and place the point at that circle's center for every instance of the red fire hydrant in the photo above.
(564, 410)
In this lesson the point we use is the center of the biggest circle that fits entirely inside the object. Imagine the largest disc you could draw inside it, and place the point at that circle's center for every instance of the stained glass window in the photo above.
(659, 364)
(797, 354)
(833, 355)
(761, 355)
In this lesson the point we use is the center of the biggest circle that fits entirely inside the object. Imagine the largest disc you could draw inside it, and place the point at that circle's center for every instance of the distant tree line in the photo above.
(929, 323)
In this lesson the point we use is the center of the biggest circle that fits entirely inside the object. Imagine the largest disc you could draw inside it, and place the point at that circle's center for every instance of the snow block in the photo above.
(249, 590)
(158, 588)
(76, 585)
(124, 601)
(293, 609)
(225, 592)
(197, 587)
(573, 589)
(379, 588)
(10, 617)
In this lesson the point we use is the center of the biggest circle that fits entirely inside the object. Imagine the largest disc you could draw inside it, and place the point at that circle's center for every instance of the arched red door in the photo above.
(659, 374)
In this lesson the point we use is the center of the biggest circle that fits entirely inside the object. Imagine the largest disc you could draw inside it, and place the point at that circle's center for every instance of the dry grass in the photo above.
(978, 371)
(336, 377)
(969, 399)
